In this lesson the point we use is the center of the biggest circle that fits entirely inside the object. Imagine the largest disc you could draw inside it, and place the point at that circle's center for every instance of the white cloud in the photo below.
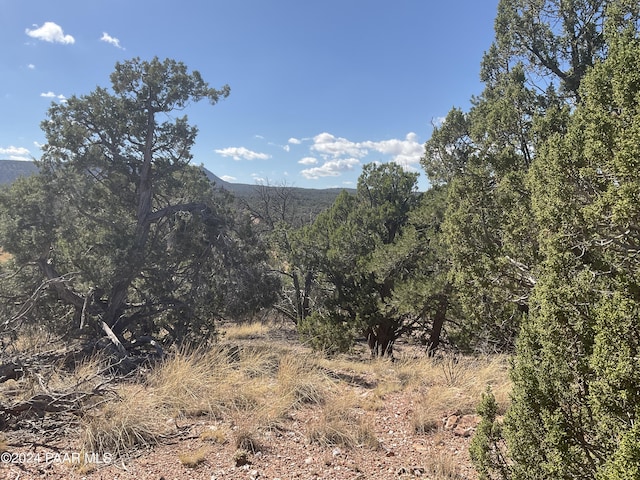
(50, 94)
(111, 40)
(31, 66)
(407, 151)
(332, 168)
(329, 145)
(50, 32)
(404, 152)
(308, 161)
(228, 178)
(438, 121)
(341, 154)
(15, 153)
(286, 148)
(241, 153)
(294, 141)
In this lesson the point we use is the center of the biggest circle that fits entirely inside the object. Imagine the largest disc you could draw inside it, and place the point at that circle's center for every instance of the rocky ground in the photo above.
(283, 455)
(394, 446)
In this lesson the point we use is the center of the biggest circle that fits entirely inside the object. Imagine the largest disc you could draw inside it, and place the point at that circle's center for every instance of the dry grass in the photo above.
(193, 459)
(456, 386)
(209, 383)
(246, 439)
(440, 466)
(215, 435)
(300, 380)
(33, 340)
(260, 386)
(138, 419)
(342, 424)
(246, 331)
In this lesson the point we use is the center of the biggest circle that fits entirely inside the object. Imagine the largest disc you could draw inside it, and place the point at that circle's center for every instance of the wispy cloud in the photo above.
(50, 94)
(50, 32)
(15, 153)
(308, 161)
(332, 168)
(31, 66)
(228, 178)
(294, 141)
(111, 40)
(258, 179)
(242, 153)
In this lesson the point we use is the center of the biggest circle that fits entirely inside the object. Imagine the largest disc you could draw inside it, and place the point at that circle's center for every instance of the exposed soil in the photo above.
(285, 451)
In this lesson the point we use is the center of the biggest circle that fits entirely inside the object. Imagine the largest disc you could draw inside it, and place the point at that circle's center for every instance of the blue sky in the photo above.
(318, 88)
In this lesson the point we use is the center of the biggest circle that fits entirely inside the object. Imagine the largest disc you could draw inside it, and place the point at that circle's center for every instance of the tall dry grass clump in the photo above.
(342, 424)
(300, 380)
(188, 383)
(192, 382)
(292, 383)
(136, 419)
(455, 385)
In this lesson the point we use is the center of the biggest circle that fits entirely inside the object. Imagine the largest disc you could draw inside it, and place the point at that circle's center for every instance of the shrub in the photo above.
(326, 334)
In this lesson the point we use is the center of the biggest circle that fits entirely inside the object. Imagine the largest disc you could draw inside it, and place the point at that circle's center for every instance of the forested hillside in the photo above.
(526, 243)
(11, 170)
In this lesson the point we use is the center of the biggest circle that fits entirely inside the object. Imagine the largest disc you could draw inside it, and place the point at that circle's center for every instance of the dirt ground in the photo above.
(230, 447)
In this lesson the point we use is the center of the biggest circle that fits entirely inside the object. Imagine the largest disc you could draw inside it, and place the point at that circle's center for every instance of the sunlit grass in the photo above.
(246, 330)
(250, 390)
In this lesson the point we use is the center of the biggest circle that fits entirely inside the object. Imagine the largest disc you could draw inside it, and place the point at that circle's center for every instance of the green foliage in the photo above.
(576, 379)
(124, 234)
(624, 464)
(558, 41)
(345, 252)
(327, 334)
(487, 449)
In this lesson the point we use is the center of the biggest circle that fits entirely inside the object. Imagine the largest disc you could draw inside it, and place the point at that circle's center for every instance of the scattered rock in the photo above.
(451, 422)
(462, 426)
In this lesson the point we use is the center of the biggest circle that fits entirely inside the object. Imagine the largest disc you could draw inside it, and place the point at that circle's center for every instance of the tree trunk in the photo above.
(439, 318)
(120, 290)
(380, 338)
(308, 281)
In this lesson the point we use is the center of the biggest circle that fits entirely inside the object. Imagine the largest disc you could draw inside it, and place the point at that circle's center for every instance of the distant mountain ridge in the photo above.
(11, 170)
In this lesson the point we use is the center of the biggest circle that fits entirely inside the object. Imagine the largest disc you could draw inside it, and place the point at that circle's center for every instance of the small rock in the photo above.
(308, 460)
(451, 422)
(462, 432)
(336, 451)
(466, 425)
